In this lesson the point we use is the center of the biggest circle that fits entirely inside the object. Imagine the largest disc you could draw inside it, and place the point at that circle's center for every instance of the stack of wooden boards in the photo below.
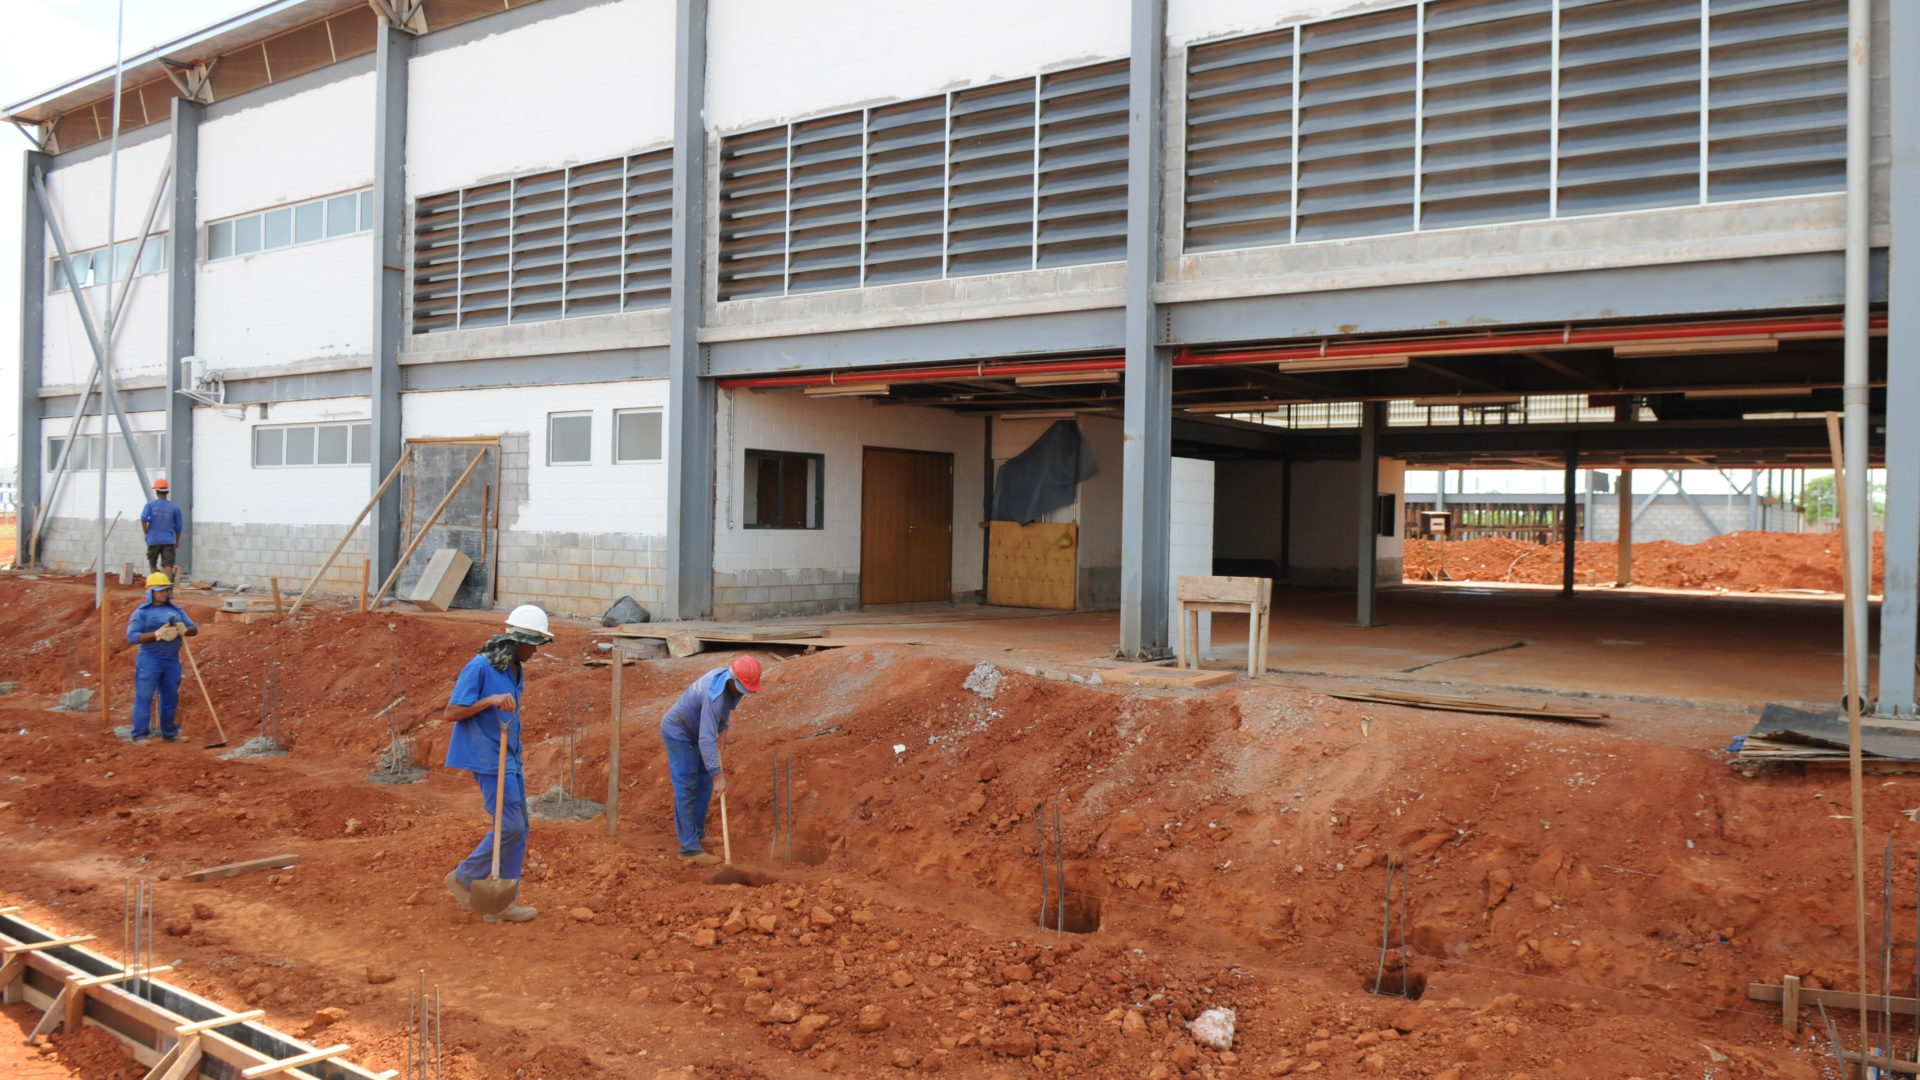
(1787, 734)
(686, 639)
(1452, 703)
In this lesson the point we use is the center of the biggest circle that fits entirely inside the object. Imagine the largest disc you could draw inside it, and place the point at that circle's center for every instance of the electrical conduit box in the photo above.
(441, 579)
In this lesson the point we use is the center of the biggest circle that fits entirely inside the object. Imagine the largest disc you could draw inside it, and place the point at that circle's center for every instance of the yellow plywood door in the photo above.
(1032, 565)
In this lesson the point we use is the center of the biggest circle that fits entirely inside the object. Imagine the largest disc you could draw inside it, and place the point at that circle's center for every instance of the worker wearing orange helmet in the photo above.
(162, 522)
(691, 731)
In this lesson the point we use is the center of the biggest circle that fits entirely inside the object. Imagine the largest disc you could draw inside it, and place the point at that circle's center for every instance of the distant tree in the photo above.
(1818, 504)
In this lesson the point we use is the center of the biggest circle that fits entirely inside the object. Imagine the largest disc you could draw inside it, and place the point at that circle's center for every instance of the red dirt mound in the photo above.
(1736, 562)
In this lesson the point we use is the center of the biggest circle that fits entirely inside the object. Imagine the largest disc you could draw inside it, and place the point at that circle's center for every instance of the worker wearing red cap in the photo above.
(691, 731)
(162, 523)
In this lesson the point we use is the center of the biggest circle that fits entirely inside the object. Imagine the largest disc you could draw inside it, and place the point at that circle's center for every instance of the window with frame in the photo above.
(86, 451)
(637, 435)
(95, 265)
(783, 490)
(569, 438)
(289, 226)
(287, 446)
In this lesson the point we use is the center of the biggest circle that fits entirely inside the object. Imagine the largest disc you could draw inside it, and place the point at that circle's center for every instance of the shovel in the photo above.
(493, 894)
(211, 711)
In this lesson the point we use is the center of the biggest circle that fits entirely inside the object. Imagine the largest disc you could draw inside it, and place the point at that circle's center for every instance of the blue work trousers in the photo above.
(513, 832)
(692, 793)
(156, 675)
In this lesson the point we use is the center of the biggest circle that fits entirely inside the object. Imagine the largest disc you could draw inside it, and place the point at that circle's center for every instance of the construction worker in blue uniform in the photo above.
(157, 627)
(486, 695)
(162, 523)
(691, 731)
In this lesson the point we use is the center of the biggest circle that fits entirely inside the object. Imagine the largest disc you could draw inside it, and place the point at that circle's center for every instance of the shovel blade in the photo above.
(492, 895)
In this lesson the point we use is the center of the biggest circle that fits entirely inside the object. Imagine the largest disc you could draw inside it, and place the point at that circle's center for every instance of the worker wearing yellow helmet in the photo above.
(157, 627)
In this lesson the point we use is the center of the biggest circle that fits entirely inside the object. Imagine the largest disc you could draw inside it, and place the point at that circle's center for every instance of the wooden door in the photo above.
(906, 526)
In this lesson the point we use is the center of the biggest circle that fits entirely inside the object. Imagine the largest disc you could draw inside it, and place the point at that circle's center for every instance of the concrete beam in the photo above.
(692, 400)
(1902, 587)
(183, 266)
(392, 53)
(33, 313)
(1040, 334)
(1147, 451)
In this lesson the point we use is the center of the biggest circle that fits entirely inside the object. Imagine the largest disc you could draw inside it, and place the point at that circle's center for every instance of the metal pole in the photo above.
(1623, 536)
(1569, 510)
(1854, 320)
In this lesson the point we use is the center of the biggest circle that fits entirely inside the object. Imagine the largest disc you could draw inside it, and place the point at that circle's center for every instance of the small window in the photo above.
(269, 447)
(783, 490)
(153, 257)
(278, 228)
(57, 276)
(309, 222)
(569, 438)
(343, 215)
(360, 444)
(220, 240)
(117, 458)
(299, 446)
(246, 235)
(330, 447)
(54, 446)
(366, 211)
(636, 435)
(122, 260)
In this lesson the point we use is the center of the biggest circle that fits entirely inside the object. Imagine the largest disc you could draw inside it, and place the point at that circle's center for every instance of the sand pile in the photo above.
(1736, 562)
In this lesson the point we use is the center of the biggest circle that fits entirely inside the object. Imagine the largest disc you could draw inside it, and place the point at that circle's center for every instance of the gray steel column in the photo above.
(1366, 570)
(692, 401)
(33, 312)
(1569, 510)
(183, 270)
(1623, 536)
(1146, 514)
(395, 48)
(1897, 610)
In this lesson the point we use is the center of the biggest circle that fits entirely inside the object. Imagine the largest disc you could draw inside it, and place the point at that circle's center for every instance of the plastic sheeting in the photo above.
(1045, 476)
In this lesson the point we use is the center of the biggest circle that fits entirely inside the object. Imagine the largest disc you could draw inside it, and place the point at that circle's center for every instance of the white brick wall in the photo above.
(79, 195)
(227, 488)
(1192, 535)
(80, 495)
(313, 143)
(287, 306)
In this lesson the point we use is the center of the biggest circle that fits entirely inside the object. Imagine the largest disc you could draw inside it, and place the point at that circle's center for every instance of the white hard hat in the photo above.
(531, 618)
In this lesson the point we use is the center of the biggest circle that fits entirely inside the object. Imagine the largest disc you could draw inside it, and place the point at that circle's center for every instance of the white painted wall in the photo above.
(839, 429)
(773, 60)
(1191, 547)
(1325, 515)
(80, 495)
(600, 497)
(1190, 20)
(286, 306)
(140, 346)
(227, 488)
(79, 195)
(585, 86)
(318, 142)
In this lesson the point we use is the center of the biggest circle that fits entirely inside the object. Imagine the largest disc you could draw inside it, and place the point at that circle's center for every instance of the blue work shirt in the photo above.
(163, 520)
(702, 713)
(151, 616)
(475, 742)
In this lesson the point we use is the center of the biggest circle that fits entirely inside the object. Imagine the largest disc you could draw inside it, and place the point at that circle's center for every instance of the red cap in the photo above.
(746, 672)
(160, 484)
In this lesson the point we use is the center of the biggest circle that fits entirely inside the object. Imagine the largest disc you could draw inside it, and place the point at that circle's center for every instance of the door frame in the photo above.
(865, 533)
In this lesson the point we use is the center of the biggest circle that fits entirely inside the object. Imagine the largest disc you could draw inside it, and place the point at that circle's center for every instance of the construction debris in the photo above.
(1787, 734)
(227, 870)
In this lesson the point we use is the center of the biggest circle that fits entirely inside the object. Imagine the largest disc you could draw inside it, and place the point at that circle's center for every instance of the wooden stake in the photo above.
(271, 862)
(278, 607)
(53, 943)
(414, 544)
(211, 711)
(219, 1021)
(366, 576)
(1790, 1005)
(1854, 691)
(392, 475)
(613, 748)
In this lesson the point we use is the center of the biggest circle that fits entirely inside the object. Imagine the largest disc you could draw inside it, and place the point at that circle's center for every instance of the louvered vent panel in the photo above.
(990, 158)
(1239, 169)
(1357, 125)
(823, 225)
(486, 227)
(753, 214)
(436, 263)
(593, 215)
(1629, 104)
(1486, 139)
(1083, 166)
(1777, 98)
(648, 250)
(906, 190)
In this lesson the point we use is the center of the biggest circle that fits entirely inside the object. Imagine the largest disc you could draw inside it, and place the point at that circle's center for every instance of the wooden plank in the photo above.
(51, 943)
(272, 1068)
(1164, 677)
(219, 1022)
(1034, 566)
(1484, 707)
(1838, 999)
(271, 862)
(730, 633)
(1222, 590)
(1790, 1006)
(188, 1064)
(122, 976)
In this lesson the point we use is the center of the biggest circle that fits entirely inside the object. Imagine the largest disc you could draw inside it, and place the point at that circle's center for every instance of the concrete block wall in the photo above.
(69, 544)
(580, 573)
(772, 594)
(251, 554)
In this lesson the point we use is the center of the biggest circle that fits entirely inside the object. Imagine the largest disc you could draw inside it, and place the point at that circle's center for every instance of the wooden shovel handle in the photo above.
(499, 799)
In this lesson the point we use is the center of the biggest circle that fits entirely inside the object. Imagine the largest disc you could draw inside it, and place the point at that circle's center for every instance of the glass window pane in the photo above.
(299, 446)
(343, 215)
(569, 439)
(279, 228)
(52, 459)
(83, 269)
(309, 222)
(361, 449)
(366, 211)
(220, 240)
(267, 444)
(56, 276)
(117, 454)
(246, 235)
(811, 515)
(122, 259)
(330, 446)
(637, 435)
(153, 257)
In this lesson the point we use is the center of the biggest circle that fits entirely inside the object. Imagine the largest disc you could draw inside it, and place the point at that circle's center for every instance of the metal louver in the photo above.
(906, 179)
(1239, 170)
(753, 214)
(592, 274)
(1357, 89)
(1776, 97)
(1629, 104)
(1486, 139)
(990, 179)
(647, 251)
(823, 210)
(1082, 215)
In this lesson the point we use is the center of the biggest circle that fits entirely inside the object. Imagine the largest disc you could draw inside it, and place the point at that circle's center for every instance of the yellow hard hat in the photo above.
(157, 580)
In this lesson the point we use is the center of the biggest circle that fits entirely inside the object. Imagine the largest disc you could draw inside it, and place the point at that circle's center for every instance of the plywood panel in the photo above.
(1032, 565)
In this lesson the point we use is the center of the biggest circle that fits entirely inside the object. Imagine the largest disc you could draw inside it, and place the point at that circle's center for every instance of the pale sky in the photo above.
(46, 43)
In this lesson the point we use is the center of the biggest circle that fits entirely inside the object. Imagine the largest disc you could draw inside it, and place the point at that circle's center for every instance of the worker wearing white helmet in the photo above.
(487, 697)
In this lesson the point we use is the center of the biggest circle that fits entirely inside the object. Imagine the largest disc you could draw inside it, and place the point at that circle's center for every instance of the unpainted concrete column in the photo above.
(33, 313)
(1623, 560)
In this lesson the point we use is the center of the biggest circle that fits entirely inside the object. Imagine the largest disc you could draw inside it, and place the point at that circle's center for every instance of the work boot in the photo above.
(458, 890)
(514, 913)
(702, 859)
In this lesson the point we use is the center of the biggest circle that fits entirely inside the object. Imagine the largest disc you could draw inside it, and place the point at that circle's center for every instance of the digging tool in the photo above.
(493, 894)
(211, 711)
(726, 839)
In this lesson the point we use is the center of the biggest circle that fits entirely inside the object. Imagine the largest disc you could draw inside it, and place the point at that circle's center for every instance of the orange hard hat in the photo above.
(160, 484)
(746, 672)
